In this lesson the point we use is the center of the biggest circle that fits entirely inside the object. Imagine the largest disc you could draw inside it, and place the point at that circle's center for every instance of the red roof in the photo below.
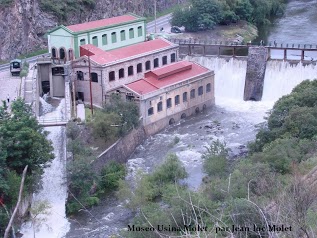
(166, 76)
(90, 49)
(130, 51)
(101, 23)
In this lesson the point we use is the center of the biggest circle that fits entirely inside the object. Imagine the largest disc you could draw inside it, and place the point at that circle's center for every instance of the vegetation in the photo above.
(85, 186)
(61, 8)
(22, 142)
(205, 14)
(5, 3)
(265, 189)
(25, 70)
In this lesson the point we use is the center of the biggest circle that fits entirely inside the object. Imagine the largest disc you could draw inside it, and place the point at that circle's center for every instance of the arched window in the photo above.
(121, 73)
(104, 39)
(131, 33)
(139, 68)
(113, 37)
(130, 70)
(164, 60)
(70, 54)
(95, 40)
(139, 31)
(112, 76)
(148, 65)
(208, 88)
(156, 62)
(54, 53)
(173, 57)
(61, 53)
(159, 107)
(122, 35)
(200, 90)
(82, 42)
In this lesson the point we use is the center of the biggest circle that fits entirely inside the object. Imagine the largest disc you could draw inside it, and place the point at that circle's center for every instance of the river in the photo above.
(231, 120)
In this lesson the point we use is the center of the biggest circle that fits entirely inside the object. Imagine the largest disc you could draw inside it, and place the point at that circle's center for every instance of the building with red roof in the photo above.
(110, 69)
(107, 34)
(170, 93)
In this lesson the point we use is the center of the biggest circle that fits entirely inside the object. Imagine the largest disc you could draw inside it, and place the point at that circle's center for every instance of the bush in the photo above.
(72, 130)
(111, 175)
(215, 159)
(105, 125)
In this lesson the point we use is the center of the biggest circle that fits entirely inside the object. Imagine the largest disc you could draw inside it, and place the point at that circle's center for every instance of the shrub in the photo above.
(111, 175)
(215, 159)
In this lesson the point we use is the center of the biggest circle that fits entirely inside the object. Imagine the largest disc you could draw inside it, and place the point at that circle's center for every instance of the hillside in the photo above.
(23, 23)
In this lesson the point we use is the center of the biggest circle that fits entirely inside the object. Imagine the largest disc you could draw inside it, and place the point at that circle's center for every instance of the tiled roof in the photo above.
(130, 51)
(166, 76)
(101, 23)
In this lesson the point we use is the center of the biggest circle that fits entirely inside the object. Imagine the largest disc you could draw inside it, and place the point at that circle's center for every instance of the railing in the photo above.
(56, 121)
(242, 44)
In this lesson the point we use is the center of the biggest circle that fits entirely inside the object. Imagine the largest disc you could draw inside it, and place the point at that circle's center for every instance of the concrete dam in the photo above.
(279, 77)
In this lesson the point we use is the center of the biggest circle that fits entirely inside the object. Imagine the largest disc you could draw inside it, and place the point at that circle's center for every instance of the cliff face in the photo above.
(23, 24)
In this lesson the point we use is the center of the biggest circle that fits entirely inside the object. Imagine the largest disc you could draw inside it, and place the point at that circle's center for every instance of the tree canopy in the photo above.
(205, 14)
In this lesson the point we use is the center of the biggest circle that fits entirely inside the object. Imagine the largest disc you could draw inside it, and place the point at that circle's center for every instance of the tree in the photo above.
(22, 140)
(105, 126)
(215, 159)
(127, 111)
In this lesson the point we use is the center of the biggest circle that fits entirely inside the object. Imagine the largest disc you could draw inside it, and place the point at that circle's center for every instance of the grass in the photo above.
(248, 31)
(33, 53)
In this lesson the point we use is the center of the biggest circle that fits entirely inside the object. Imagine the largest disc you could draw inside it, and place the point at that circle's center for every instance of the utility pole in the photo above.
(89, 70)
(155, 16)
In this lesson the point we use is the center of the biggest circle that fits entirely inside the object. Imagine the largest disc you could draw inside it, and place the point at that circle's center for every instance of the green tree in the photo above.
(22, 141)
(215, 159)
(127, 111)
(105, 125)
(111, 175)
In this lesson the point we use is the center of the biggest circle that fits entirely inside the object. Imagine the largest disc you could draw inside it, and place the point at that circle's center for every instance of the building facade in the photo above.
(170, 93)
(110, 69)
(107, 34)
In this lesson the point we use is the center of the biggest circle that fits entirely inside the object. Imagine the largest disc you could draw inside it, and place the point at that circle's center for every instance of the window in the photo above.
(148, 65)
(169, 103)
(192, 93)
(122, 35)
(70, 54)
(164, 60)
(185, 97)
(159, 107)
(130, 70)
(208, 88)
(82, 41)
(156, 63)
(104, 39)
(61, 53)
(150, 111)
(112, 76)
(200, 90)
(94, 77)
(121, 73)
(131, 33)
(57, 70)
(139, 31)
(139, 68)
(54, 53)
(95, 41)
(173, 57)
(80, 75)
(176, 99)
(113, 37)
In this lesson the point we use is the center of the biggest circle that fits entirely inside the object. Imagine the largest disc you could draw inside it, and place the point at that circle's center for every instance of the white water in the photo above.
(280, 79)
(54, 191)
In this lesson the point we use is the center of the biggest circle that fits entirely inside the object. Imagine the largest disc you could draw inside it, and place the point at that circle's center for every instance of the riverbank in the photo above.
(235, 32)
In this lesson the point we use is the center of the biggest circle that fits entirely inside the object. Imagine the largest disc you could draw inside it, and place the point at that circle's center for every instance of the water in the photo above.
(54, 224)
(232, 120)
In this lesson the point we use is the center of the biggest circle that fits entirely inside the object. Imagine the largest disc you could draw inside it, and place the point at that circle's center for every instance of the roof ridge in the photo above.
(150, 83)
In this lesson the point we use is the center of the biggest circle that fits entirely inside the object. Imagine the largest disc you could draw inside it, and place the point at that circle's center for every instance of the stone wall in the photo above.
(254, 79)
(121, 150)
